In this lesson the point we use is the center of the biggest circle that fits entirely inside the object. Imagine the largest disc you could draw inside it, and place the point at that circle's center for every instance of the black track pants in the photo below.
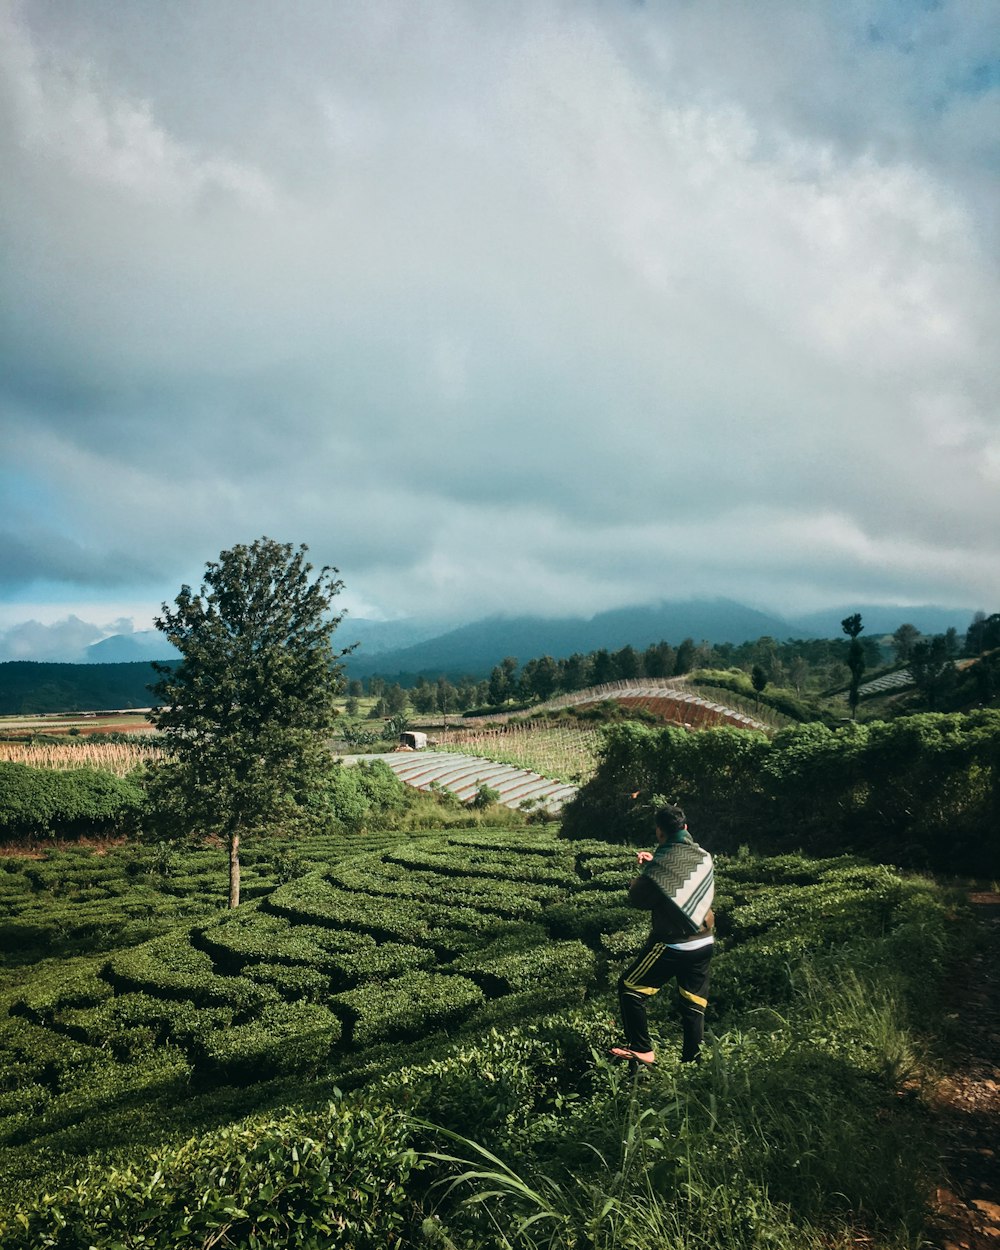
(651, 969)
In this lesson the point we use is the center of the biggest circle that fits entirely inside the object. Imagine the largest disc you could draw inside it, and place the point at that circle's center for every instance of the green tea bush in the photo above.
(58, 988)
(170, 967)
(567, 964)
(292, 982)
(285, 1038)
(315, 900)
(133, 1015)
(451, 861)
(299, 1181)
(49, 1056)
(505, 896)
(45, 802)
(410, 1006)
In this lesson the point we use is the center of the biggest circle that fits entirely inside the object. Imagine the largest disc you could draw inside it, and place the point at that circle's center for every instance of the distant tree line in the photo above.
(807, 666)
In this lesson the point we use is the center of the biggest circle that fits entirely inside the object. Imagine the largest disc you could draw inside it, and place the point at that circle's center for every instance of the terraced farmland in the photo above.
(567, 753)
(464, 977)
(673, 702)
(463, 775)
(407, 941)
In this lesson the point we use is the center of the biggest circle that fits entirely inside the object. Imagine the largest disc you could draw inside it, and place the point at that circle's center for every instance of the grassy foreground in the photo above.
(418, 1027)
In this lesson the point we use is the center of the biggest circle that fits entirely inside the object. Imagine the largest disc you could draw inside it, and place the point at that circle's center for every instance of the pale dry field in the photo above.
(113, 757)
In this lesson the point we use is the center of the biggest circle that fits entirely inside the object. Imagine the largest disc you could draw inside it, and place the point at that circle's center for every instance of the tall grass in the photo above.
(789, 1135)
(119, 758)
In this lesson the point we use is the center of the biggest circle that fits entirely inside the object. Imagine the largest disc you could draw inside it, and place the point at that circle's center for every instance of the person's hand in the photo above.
(644, 857)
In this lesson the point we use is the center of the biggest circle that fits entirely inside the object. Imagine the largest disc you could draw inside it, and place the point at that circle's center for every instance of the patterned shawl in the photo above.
(683, 873)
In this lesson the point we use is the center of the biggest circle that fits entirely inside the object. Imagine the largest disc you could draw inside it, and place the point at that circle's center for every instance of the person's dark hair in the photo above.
(670, 819)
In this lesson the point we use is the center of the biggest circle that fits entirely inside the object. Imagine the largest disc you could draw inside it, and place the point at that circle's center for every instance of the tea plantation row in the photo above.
(362, 963)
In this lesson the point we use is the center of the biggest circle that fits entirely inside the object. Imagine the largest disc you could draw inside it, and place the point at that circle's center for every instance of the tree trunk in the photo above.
(234, 870)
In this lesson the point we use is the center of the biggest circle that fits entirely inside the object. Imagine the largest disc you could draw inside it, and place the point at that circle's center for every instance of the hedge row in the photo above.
(318, 976)
(499, 972)
(921, 791)
(169, 967)
(508, 898)
(501, 865)
(313, 899)
(336, 1176)
(45, 802)
(409, 1006)
(285, 1038)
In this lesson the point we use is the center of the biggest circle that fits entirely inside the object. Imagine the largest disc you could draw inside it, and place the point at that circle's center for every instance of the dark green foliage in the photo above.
(292, 982)
(47, 802)
(286, 1037)
(409, 1006)
(29, 687)
(301, 1181)
(367, 791)
(361, 969)
(923, 790)
(169, 967)
(507, 971)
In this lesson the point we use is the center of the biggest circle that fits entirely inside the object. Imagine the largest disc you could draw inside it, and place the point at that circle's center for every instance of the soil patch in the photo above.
(967, 1104)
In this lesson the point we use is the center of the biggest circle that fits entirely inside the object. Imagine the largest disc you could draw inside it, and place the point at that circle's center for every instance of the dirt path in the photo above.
(968, 1103)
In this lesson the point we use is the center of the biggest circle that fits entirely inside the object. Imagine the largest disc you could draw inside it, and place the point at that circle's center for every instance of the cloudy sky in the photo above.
(532, 306)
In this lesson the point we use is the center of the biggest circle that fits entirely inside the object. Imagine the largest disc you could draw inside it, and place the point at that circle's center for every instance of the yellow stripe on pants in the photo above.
(643, 968)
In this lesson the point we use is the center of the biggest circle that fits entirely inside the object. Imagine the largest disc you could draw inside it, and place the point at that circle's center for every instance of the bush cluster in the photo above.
(922, 791)
(71, 803)
(335, 1176)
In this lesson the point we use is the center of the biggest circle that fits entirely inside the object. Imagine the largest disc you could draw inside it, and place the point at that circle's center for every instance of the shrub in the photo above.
(568, 965)
(291, 981)
(169, 967)
(336, 1176)
(923, 791)
(410, 1006)
(43, 802)
(285, 1038)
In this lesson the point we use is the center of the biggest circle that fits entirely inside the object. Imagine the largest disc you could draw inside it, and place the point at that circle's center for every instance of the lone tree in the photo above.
(759, 680)
(245, 712)
(903, 641)
(851, 625)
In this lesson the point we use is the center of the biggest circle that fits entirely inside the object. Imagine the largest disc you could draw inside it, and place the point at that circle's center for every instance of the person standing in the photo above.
(676, 885)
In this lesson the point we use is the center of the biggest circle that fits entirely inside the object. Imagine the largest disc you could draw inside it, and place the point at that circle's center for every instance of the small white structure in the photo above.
(412, 740)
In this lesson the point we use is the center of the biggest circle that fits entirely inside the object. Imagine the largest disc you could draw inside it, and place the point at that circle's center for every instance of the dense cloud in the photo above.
(532, 307)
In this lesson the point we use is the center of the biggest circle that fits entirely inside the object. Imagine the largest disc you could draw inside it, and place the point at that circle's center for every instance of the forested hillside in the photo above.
(27, 687)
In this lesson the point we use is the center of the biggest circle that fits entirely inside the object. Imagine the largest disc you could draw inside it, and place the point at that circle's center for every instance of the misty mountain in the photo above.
(377, 637)
(138, 648)
(475, 648)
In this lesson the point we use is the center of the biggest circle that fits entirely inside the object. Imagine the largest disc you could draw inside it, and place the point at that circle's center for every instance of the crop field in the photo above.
(562, 752)
(132, 1005)
(88, 724)
(116, 757)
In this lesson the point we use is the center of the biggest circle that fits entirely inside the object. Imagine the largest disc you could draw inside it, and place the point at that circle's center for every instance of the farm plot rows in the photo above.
(462, 775)
(119, 758)
(352, 963)
(672, 702)
(563, 752)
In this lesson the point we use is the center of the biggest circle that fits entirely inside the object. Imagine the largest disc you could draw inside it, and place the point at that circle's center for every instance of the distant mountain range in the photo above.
(475, 648)
(114, 673)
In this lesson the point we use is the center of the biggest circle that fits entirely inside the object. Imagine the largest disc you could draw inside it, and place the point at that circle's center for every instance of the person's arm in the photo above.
(643, 894)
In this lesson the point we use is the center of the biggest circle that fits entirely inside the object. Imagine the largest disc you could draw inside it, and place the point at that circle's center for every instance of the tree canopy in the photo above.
(246, 712)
